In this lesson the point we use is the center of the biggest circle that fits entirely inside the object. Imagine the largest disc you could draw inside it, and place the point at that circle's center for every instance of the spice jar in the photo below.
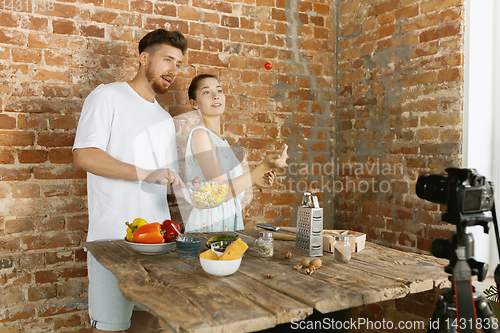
(264, 244)
(342, 249)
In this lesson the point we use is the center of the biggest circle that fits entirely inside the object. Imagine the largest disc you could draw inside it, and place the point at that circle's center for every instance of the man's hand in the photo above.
(164, 177)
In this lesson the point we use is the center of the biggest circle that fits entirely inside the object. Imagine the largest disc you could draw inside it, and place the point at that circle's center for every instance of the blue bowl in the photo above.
(188, 248)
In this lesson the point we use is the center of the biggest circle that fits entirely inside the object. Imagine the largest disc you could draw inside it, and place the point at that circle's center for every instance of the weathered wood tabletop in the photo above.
(187, 299)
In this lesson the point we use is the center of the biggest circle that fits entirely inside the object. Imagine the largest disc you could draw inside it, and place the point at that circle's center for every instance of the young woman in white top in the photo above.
(209, 157)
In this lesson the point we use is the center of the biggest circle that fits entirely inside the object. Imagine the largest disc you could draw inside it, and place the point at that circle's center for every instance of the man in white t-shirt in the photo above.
(126, 142)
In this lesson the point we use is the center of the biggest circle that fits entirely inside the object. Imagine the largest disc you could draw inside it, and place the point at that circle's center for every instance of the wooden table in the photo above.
(187, 299)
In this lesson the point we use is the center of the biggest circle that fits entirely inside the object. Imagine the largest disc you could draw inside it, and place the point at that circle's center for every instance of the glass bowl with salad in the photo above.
(205, 195)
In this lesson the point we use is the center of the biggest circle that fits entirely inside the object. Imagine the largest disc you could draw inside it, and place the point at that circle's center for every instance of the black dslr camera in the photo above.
(467, 196)
(462, 191)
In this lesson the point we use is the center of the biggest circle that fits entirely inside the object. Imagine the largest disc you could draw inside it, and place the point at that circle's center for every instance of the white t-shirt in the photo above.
(129, 128)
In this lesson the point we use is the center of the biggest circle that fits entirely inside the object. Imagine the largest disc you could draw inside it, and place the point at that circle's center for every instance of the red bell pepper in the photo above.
(170, 234)
(149, 233)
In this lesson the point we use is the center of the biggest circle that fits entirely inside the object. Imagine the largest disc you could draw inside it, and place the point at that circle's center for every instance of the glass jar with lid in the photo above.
(264, 244)
(342, 249)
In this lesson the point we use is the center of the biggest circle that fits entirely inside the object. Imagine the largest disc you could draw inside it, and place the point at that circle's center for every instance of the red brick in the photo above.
(55, 139)
(115, 49)
(277, 14)
(230, 21)
(45, 75)
(16, 138)
(421, 22)
(18, 225)
(7, 121)
(44, 241)
(244, 36)
(222, 7)
(443, 32)
(65, 122)
(436, 5)
(116, 4)
(10, 245)
(104, 16)
(145, 7)
(79, 222)
(43, 292)
(73, 272)
(451, 14)
(9, 19)
(25, 190)
(46, 276)
(80, 255)
(94, 30)
(4, 53)
(58, 172)
(56, 190)
(63, 10)
(212, 46)
(424, 244)
(70, 288)
(204, 58)
(384, 7)
(65, 27)
(14, 37)
(246, 23)
(35, 23)
(61, 155)
(54, 58)
(407, 12)
(51, 224)
(165, 9)
(32, 156)
(7, 157)
(450, 75)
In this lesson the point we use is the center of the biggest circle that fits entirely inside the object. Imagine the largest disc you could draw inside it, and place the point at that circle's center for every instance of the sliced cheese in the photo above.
(235, 250)
(210, 255)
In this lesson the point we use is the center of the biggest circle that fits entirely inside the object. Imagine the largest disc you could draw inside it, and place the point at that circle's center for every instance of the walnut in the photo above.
(297, 267)
(288, 255)
(315, 264)
(269, 276)
(305, 262)
(308, 271)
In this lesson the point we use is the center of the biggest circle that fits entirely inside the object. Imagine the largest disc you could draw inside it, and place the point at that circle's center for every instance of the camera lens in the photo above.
(432, 188)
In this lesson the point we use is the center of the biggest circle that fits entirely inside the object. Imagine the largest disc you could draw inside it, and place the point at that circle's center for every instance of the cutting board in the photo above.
(281, 235)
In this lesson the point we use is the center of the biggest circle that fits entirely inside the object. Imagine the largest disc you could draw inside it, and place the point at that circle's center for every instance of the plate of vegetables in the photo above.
(151, 238)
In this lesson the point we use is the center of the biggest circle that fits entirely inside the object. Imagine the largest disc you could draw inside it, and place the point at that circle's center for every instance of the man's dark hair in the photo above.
(195, 84)
(162, 36)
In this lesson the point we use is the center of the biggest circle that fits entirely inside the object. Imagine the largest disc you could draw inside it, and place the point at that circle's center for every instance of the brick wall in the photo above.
(399, 114)
(384, 77)
(52, 59)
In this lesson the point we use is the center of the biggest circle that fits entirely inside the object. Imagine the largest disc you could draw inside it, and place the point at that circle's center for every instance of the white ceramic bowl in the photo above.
(220, 267)
(151, 249)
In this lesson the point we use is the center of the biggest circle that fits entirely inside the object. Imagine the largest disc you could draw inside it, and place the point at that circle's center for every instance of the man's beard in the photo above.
(156, 83)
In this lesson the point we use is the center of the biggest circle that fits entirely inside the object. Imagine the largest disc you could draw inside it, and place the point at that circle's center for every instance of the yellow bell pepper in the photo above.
(136, 224)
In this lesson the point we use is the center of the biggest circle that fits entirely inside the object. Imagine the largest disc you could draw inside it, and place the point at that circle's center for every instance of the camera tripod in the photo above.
(461, 308)
(473, 311)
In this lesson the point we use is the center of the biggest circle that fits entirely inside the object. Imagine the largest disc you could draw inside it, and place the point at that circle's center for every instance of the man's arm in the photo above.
(100, 163)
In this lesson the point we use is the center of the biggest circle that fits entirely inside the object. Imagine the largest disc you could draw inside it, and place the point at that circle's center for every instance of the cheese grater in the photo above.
(309, 238)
